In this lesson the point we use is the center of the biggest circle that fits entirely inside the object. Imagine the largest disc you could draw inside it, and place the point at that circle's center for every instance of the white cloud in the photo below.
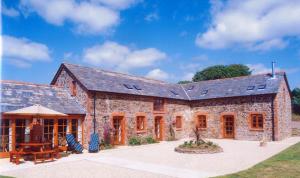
(157, 74)
(22, 51)
(117, 4)
(254, 24)
(188, 76)
(266, 45)
(112, 55)
(87, 16)
(152, 17)
(260, 68)
(11, 12)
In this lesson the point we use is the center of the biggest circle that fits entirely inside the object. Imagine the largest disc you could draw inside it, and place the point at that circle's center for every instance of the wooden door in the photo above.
(118, 125)
(158, 128)
(228, 124)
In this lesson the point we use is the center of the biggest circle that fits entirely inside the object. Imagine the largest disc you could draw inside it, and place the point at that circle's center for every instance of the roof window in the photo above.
(128, 86)
(174, 92)
(137, 87)
(251, 87)
(261, 87)
(191, 87)
(204, 92)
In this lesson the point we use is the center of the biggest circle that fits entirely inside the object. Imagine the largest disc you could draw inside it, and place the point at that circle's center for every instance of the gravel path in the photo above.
(156, 160)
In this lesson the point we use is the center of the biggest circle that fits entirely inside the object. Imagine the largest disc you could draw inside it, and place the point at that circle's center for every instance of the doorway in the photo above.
(119, 130)
(228, 126)
(158, 128)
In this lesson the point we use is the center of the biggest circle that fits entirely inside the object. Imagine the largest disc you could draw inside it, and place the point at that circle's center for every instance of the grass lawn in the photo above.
(5, 177)
(286, 164)
(295, 117)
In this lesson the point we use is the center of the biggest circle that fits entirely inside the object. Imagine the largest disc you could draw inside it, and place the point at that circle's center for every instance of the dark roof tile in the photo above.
(100, 80)
(16, 95)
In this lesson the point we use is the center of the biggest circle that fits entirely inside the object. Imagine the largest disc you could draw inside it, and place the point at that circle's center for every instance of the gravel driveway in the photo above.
(156, 160)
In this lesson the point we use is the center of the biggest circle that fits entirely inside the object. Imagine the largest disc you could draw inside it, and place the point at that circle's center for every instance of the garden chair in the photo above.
(73, 145)
(94, 143)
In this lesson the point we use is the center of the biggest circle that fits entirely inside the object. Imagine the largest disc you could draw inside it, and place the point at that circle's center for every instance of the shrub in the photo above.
(104, 145)
(134, 141)
(210, 143)
(150, 140)
(185, 143)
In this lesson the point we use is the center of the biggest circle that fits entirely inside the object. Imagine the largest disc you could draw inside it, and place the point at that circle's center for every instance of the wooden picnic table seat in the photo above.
(41, 156)
(14, 156)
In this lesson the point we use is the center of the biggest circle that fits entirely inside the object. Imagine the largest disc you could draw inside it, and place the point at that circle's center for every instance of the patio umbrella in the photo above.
(36, 110)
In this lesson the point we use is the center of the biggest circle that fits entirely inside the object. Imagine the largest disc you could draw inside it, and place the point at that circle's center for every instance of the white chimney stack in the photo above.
(273, 70)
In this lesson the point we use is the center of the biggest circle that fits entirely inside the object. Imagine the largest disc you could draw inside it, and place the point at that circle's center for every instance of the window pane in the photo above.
(254, 121)
(260, 121)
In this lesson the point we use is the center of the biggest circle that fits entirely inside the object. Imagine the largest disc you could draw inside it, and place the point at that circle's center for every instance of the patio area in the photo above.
(156, 160)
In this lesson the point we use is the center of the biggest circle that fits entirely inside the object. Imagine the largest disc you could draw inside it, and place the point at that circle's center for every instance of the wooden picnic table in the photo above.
(32, 148)
(34, 145)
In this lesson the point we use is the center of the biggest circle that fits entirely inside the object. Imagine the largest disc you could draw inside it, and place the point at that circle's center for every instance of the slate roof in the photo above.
(232, 87)
(16, 95)
(95, 79)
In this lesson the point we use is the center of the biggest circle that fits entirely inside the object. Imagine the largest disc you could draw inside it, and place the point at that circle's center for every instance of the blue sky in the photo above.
(166, 40)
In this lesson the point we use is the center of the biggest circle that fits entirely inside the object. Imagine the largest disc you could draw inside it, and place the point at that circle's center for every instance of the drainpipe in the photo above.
(273, 118)
(94, 119)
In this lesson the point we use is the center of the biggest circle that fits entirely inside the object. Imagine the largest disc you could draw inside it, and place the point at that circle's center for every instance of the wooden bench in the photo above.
(14, 156)
(41, 156)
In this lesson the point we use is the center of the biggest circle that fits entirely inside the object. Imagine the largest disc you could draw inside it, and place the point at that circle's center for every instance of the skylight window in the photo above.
(261, 87)
(251, 87)
(128, 86)
(191, 87)
(137, 87)
(174, 92)
(204, 92)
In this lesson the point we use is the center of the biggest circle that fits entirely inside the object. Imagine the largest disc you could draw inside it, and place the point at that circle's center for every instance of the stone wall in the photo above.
(82, 96)
(241, 108)
(108, 104)
(283, 112)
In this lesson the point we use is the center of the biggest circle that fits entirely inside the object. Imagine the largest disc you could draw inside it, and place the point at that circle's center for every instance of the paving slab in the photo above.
(155, 160)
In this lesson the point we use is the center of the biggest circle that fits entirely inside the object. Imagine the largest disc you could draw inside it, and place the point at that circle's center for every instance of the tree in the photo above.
(184, 82)
(296, 100)
(222, 71)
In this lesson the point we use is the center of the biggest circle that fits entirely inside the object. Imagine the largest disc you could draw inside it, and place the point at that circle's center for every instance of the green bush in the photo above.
(104, 145)
(150, 140)
(135, 141)
(210, 143)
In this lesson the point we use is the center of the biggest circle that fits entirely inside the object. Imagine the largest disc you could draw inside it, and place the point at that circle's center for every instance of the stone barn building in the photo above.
(247, 108)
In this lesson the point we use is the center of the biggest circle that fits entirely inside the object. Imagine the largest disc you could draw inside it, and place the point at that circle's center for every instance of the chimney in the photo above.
(273, 70)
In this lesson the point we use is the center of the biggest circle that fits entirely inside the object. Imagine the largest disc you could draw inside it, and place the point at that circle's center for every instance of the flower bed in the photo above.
(194, 147)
